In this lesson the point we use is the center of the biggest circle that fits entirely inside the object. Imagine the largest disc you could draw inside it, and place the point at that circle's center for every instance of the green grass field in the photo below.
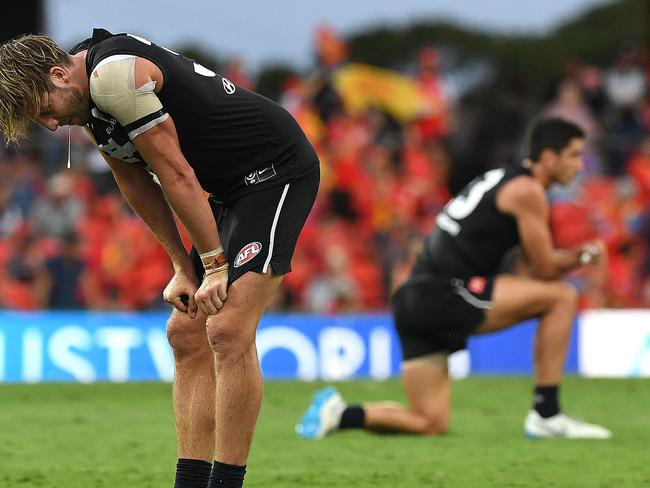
(121, 436)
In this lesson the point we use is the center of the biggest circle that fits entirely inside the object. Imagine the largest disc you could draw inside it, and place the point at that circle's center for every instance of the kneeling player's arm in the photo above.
(527, 203)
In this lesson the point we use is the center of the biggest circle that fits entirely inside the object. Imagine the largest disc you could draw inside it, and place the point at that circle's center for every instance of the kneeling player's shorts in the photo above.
(435, 314)
(260, 229)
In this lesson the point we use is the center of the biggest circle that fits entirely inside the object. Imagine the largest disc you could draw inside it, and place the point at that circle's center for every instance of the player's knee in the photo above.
(184, 337)
(566, 295)
(430, 423)
(229, 336)
(435, 426)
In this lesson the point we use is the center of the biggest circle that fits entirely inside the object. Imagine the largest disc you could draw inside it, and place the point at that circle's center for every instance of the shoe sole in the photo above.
(529, 435)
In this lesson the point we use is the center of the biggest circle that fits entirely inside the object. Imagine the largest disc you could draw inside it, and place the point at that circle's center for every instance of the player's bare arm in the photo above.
(146, 199)
(159, 146)
(525, 199)
(161, 149)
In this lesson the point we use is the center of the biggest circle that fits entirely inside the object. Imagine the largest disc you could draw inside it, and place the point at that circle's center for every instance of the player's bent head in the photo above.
(25, 64)
(551, 133)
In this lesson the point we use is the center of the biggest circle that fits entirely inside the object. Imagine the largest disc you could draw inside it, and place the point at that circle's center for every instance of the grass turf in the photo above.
(121, 436)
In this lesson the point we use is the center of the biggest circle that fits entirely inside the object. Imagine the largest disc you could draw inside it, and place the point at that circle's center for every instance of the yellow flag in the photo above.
(361, 86)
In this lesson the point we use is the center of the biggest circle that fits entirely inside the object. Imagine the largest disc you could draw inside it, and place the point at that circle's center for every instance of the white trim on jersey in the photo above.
(466, 295)
(144, 128)
(275, 223)
(98, 115)
(110, 59)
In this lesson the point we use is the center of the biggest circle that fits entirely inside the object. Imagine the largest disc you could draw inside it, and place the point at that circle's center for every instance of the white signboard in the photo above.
(614, 343)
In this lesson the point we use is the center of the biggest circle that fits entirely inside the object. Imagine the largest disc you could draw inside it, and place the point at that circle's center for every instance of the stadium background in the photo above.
(394, 146)
(402, 116)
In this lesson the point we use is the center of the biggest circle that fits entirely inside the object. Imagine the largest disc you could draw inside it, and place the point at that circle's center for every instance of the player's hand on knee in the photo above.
(212, 293)
(180, 291)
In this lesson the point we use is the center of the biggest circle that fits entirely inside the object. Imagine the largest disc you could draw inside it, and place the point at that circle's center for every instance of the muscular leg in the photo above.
(428, 389)
(194, 386)
(517, 298)
(231, 333)
(514, 299)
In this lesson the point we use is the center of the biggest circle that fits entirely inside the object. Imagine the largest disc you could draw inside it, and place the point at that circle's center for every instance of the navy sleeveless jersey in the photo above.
(236, 141)
(471, 236)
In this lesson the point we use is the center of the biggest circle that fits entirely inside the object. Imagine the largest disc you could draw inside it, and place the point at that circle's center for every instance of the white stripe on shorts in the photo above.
(275, 223)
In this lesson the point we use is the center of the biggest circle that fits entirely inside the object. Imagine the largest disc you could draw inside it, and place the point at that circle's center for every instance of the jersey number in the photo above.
(463, 205)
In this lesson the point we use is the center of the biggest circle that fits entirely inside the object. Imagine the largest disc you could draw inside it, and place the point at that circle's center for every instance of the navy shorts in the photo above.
(435, 314)
(260, 229)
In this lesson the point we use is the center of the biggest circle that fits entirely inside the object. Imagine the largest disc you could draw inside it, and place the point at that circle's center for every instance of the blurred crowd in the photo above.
(68, 240)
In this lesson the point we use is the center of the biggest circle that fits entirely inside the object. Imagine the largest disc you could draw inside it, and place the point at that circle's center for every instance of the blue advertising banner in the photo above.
(91, 346)
(84, 347)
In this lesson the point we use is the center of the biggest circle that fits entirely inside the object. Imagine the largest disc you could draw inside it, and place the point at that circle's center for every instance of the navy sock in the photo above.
(353, 417)
(545, 400)
(192, 473)
(227, 475)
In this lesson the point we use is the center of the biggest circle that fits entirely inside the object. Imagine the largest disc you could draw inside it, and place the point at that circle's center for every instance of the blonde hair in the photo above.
(25, 64)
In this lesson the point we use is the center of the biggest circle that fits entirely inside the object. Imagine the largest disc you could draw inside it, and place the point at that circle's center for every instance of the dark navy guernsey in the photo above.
(471, 236)
(236, 141)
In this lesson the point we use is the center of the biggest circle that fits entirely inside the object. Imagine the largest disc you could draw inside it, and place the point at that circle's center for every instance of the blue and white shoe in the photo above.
(323, 415)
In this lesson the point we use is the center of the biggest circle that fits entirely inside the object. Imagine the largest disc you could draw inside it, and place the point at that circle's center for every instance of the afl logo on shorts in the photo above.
(228, 85)
(248, 252)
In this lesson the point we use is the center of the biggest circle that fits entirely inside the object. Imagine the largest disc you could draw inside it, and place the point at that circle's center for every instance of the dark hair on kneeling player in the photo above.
(551, 133)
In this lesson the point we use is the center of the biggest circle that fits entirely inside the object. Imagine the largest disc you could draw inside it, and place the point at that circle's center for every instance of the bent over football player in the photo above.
(172, 130)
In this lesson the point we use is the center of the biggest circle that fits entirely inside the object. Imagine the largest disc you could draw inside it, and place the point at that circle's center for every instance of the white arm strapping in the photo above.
(112, 88)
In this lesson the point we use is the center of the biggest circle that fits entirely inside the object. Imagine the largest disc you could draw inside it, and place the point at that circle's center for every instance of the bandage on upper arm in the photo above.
(112, 88)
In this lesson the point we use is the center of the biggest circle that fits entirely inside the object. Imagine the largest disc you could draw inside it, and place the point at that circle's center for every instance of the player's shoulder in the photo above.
(104, 43)
(524, 186)
(522, 192)
(108, 51)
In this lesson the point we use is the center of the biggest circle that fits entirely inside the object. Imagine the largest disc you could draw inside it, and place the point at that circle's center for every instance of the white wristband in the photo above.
(220, 269)
(209, 254)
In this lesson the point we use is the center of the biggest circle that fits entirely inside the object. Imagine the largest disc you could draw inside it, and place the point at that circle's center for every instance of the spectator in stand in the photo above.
(569, 104)
(625, 83)
(625, 87)
(639, 170)
(58, 211)
(331, 51)
(24, 264)
(334, 290)
(590, 80)
(23, 175)
(11, 215)
(64, 282)
(296, 98)
(436, 124)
